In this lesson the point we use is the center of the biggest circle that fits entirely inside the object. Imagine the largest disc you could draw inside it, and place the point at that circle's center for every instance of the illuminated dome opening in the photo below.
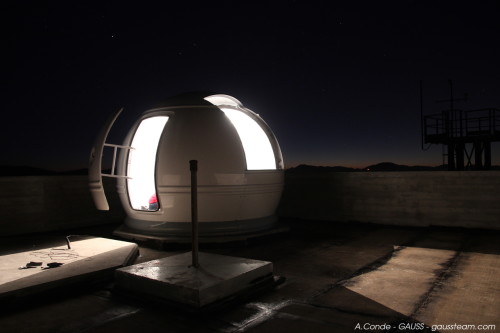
(258, 150)
(141, 164)
(259, 153)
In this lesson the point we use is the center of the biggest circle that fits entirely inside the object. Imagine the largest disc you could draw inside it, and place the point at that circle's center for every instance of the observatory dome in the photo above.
(240, 168)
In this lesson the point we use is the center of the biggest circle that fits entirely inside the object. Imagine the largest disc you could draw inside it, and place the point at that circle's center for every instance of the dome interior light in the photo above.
(142, 162)
(258, 150)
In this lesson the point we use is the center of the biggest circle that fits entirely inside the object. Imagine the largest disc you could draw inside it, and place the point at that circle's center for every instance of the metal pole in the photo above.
(193, 167)
(452, 116)
(451, 94)
(421, 116)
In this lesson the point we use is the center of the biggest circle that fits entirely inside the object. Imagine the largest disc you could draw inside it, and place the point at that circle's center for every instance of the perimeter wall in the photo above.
(46, 203)
(469, 199)
(459, 199)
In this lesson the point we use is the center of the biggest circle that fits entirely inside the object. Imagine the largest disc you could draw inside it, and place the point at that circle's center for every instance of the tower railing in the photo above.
(465, 126)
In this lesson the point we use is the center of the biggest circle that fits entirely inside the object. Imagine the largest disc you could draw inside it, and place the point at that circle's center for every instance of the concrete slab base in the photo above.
(36, 271)
(173, 279)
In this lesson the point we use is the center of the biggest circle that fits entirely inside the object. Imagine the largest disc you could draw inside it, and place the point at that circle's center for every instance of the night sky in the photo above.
(337, 81)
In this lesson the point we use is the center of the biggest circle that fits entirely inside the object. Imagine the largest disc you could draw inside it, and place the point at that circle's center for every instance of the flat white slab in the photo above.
(174, 279)
(85, 258)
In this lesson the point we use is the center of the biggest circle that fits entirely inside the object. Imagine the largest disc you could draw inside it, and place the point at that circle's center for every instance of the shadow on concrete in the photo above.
(338, 310)
(314, 256)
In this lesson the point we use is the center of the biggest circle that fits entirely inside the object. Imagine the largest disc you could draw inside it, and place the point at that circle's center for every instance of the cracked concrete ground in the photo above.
(339, 278)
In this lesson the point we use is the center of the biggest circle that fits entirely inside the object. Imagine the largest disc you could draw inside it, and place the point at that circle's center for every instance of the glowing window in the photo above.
(142, 162)
(259, 152)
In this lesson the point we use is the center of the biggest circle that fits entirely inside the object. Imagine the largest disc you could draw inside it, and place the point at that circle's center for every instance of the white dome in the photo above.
(240, 168)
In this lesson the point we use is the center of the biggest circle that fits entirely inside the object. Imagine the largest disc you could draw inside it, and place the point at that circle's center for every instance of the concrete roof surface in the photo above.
(340, 277)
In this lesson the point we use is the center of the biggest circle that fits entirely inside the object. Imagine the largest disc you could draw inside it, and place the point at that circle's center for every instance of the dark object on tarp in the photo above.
(53, 265)
(31, 264)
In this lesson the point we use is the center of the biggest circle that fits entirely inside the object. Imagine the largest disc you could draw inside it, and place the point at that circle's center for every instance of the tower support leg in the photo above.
(478, 154)
(451, 156)
(460, 148)
(487, 155)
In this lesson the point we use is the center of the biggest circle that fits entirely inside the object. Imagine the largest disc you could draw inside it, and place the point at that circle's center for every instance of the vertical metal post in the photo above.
(478, 150)
(460, 149)
(487, 155)
(193, 167)
(421, 116)
(451, 156)
(491, 122)
(451, 94)
(451, 118)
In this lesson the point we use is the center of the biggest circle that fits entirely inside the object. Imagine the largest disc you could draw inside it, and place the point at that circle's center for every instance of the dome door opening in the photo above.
(95, 163)
(141, 164)
(259, 152)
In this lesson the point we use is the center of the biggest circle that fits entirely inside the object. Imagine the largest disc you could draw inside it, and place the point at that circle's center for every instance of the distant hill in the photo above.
(313, 168)
(22, 170)
(389, 166)
(84, 171)
(384, 166)
(379, 167)
(14, 170)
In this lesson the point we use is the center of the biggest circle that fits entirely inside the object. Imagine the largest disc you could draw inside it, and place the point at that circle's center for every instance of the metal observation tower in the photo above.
(466, 135)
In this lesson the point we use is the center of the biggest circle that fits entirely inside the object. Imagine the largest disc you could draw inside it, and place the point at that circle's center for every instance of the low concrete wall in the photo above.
(459, 199)
(45, 203)
(442, 198)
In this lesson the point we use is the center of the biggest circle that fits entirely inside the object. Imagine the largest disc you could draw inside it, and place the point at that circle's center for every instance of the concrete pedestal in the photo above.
(174, 280)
